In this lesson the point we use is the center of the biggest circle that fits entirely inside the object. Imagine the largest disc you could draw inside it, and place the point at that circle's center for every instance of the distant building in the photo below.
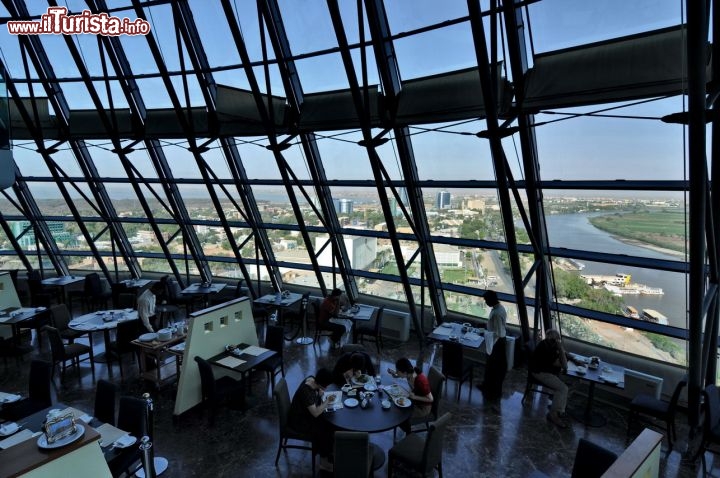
(57, 230)
(362, 251)
(442, 201)
(478, 204)
(346, 206)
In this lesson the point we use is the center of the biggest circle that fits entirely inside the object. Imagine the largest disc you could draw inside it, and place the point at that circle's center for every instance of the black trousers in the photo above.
(495, 371)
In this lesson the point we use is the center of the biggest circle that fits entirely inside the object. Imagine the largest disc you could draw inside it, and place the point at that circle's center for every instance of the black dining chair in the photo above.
(126, 332)
(423, 455)
(373, 330)
(132, 418)
(60, 319)
(61, 353)
(648, 405)
(282, 400)
(216, 391)
(39, 393)
(319, 332)
(436, 380)
(591, 460)
(275, 341)
(105, 397)
(455, 367)
(355, 456)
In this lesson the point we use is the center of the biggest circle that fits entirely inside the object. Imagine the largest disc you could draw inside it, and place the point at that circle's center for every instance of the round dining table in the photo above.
(105, 320)
(372, 419)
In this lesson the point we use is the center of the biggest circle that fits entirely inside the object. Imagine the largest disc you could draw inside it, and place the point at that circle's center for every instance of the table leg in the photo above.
(105, 357)
(588, 417)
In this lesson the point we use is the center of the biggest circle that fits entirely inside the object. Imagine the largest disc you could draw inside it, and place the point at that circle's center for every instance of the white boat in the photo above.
(630, 311)
(652, 315)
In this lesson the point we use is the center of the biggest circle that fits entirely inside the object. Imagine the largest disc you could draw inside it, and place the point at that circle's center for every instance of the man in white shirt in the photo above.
(146, 305)
(496, 366)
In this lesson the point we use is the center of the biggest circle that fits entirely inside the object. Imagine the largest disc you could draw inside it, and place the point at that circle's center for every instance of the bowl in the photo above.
(346, 388)
(386, 404)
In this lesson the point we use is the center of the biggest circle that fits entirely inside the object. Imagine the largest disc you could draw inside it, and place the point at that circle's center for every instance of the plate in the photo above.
(8, 429)
(370, 387)
(149, 337)
(79, 432)
(351, 402)
(610, 380)
(386, 404)
(403, 402)
(361, 379)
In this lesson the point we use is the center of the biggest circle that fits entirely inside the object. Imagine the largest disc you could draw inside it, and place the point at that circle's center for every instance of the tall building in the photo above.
(442, 200)
(345, 206)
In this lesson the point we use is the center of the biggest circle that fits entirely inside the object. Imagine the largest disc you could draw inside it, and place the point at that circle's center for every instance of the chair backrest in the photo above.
(432, 453)
(92, 284)
(127, 331)
(282, 400)
(676, 394)
(436, 380)
(132, 416)
(274, 339)
(40, 380)
(105, 393)
(591, 460)
(352, 454)
(712, 408)
(57, 346)
(379, 319)
(452, 359)
(239, 289)
(315, 304)
(173, 289)
(207, 378)
(60, 316)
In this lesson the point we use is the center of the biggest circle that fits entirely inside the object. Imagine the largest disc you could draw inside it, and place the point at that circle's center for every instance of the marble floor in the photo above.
(495, 439)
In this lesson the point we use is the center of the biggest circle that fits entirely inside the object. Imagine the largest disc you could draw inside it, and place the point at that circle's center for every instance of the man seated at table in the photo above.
(352, 364)
(146, 305)
(329, 308)
(548, 360)
(305, 415)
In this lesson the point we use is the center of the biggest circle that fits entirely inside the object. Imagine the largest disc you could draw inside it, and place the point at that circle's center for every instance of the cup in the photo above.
(378, 379)
(346, 388)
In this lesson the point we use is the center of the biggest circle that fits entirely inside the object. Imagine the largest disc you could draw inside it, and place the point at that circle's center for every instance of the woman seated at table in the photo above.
(352, 364)
(420, 393)
(548, 360)
(305, 410)
(329, 308)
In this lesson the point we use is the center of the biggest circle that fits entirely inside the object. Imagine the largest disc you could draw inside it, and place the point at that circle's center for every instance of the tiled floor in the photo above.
(483, 439)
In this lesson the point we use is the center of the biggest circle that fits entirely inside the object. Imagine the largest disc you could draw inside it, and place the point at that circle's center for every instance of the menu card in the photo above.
(231, 362)
(109, 434)
(255, 350)
(19, 437)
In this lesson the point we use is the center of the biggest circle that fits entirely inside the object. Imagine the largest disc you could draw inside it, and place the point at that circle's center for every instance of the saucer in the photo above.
(351, 402)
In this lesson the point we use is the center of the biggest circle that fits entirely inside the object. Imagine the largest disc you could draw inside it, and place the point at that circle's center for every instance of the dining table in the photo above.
(282, 301)
(62, 283)
(243, 360)
(464, 334)
(203, 290)
(349, 414)
(18, 317)
(105, 321)
(19, 450)
(605, 374)
(357, 313)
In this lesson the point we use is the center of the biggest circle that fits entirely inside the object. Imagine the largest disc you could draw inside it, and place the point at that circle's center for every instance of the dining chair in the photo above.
(355, 456)
(216, 391)
(533, 385)
(648, 405)
(275, 341)
(591, 460)
(418, 454)
(455, 367)
(95, 296)
(132, 418)
(122, 296)
(295, 318)
(61, 353)
(711, 425)
(436, 380)
(126, 332)
(60, 319)
(105, 397)
(319, 331)
(39, 295)
(178, 299)
(39, 393)
(282, 400)
(372, 331)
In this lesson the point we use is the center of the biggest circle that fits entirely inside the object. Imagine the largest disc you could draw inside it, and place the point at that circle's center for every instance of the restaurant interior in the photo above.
(195, 196)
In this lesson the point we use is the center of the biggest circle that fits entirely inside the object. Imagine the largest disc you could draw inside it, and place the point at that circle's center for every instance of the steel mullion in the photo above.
(13, 242)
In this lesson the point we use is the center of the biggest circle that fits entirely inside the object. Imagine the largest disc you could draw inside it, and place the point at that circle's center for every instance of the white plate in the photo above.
(386, 404)
(149, 337)
(8, 429)
(362, 380)
(403, 402)
(351, 402)
(79, 432)
(370, 387)
(124, 441)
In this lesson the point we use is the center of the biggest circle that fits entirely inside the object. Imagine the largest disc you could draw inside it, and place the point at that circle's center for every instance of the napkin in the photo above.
(254, 350)
(19, 437)
(471, 336)
(231, 362)
(443, 330)
(8, 397)
(489, 341)
(109, 433)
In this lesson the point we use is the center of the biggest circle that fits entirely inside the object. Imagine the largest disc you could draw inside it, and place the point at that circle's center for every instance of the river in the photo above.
(574, 231)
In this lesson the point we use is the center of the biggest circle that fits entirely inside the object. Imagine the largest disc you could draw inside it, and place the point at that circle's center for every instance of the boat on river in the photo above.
(652, 315)
(630, 312)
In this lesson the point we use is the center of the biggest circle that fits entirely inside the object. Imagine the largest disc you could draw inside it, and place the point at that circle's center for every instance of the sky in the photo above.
(578, 148)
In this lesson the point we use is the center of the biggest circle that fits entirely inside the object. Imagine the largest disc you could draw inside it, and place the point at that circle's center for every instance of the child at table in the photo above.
(420, 393)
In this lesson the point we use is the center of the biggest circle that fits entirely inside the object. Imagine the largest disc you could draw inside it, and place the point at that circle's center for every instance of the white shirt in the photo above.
(146, 308)
(496, 323)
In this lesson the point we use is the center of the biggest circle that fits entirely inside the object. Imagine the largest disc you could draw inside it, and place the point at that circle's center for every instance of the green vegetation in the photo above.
(664, 228)
(570, 286)
(666, 344)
